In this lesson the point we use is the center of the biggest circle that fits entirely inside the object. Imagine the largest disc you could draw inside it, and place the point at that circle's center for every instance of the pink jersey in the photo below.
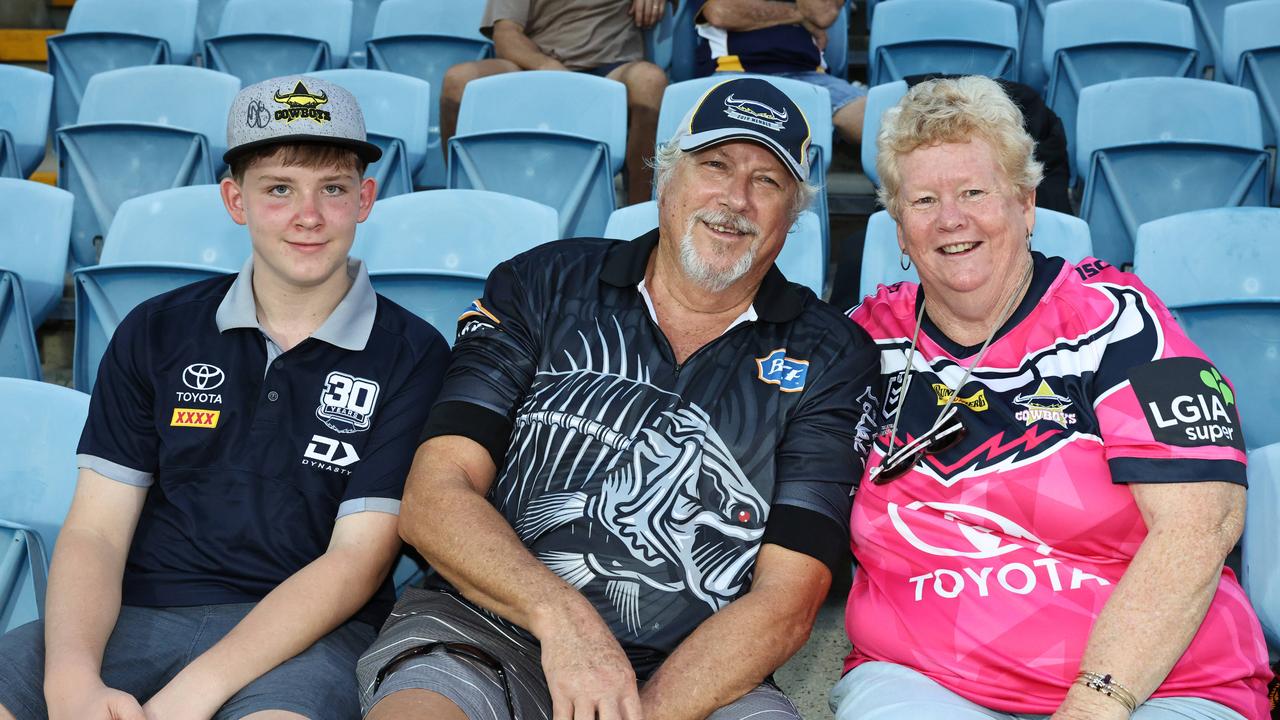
(984, 567)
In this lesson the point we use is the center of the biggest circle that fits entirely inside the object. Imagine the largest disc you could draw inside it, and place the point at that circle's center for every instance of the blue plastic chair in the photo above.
(1056, 234)
(37, 481)
(157, 242)
(1209, 17)
(1091, 41)
(363, 14)
(141, 130)
(1261, 543)
(1251, 59)
(1215, 269)
(208, 17)
(110, 34)
(879, 98)
(553, 137)
(684, 42)
(18, 354)
(397, 113)
(813, 100)
(967, 37)
(35, 228)
(425, 40)
(258, 40)
(26, 98)
(802, 259)
(436, 267)
(1152, 147)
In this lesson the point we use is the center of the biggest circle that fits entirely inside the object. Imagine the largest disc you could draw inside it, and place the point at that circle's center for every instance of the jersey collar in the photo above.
(347, 327)
(777, 300)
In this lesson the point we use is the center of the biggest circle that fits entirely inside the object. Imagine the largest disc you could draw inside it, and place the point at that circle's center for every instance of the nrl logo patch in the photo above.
(302, 105)
(1045, 404)
(347, 402)
(755, 112)
(778, 369)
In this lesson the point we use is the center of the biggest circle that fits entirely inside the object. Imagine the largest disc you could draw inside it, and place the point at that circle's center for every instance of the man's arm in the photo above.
(746, 15)
(301, 610)
(735, 649)
(83, 600)
(1158, 605)
(446, 516)
(510, 43)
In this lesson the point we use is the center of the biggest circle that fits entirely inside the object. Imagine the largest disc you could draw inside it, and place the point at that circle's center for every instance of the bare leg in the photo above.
(848, 121)
(455, 79)
(411, 704)
(4, 714)
(645, 83)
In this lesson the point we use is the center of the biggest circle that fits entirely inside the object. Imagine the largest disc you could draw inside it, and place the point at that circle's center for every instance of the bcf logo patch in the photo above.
(347, 402)
(778, 369)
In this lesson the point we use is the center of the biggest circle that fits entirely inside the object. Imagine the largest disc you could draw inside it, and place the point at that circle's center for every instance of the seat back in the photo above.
(424, 40)
(18, 354)
(966, 37)
(363, 13)
(456, 231)
(35, 227)
(257, 41)
(1251, 59)
(836, 53)
(26, 99)
(393, 105)
(1209, 17)
(437, 296)
(1216, 270)
(173, 21)
(1261, 542)
(684, 42)
(879, 99)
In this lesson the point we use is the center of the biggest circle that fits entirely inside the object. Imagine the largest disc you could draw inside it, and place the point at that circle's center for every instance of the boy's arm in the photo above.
(298, 612)
(83, 600)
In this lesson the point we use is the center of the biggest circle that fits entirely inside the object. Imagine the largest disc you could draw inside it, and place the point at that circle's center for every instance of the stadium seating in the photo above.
(424, 40)
(397, 112)
(430, 251)
(813, 100)
(363, 15)
(1091, 41)
(553, 137)
(684, 43)
(107, 35)
(37, 481)
(35, 227)
(157, 242)
(1216, 270)
(1261, 542)
(26, 98)
(802, 258)
(968, 37)
(1152, 147)
(1209, 15)
(1251, 59)
(879, 98)
(141, 130)
(207, 19)
(1056, 234)
(261, 40)
(18, 354)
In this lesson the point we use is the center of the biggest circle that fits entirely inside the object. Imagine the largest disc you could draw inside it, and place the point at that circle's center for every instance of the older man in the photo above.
(636, 481)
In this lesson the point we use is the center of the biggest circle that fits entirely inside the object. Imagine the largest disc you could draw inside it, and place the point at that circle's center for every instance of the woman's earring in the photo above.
(1028, 240)
(904, 260)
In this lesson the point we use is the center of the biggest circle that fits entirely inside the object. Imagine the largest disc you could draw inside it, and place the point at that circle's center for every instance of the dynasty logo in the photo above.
(301, 104)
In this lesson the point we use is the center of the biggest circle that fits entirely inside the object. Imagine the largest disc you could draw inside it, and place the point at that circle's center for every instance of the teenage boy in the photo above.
(227, 550)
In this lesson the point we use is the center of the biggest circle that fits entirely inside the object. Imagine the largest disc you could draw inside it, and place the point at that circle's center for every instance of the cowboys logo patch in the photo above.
(778, 369)
(347, 402)
(301, 104)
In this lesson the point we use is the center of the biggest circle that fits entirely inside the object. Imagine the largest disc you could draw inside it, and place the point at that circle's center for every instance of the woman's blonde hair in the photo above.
(955, 110)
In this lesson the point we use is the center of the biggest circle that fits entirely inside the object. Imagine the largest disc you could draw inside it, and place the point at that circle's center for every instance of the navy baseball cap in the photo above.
(750, 109)
(296, 109)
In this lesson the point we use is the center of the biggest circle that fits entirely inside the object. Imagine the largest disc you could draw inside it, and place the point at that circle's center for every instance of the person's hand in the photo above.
(819, 35)
(187, 697)
(646, 13)
(820, 13)
(587, 673)
(97, 702)
(1082, 703)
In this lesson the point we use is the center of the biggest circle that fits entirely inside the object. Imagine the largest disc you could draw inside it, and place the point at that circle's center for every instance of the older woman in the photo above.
(1060, 472)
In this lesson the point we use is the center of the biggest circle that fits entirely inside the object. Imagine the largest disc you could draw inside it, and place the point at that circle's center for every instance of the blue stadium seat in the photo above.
(258, 40)
(37, 481)
(363, 14)
(397, 112)
(141, 130)
(1056, 234)
(35, 228)
(431, 250)
(109, 34)
(1261, 542)
(684, 43)
(813, 100)
(836, 53)
(879, 98)
(1209, 16)
(424, 40)
(553, 137)
(1091, 41)
(140, 259)
(968, 37)
(660, 39)
(801, 260)
(1216, 270)
(207, 19)
(1251, 59)
(1151, 147)
(18, 354)
(26, 98)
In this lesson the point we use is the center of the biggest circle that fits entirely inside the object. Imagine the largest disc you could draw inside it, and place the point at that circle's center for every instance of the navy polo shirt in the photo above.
(649, 484)
(251, 454)
(776, 49)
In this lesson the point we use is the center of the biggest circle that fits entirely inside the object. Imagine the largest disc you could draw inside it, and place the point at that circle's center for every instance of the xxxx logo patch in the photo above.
(192, 417)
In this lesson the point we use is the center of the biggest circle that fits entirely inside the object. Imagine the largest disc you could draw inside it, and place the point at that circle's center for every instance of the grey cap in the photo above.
(296, 109)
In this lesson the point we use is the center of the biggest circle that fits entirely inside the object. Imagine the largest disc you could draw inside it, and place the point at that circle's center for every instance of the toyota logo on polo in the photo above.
(202, 376)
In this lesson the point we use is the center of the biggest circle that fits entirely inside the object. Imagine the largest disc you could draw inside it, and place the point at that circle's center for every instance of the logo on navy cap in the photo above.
(754, 111)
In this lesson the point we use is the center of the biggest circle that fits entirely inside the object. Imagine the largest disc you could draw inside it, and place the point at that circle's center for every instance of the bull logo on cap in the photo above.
(755, 112)
(302, 104)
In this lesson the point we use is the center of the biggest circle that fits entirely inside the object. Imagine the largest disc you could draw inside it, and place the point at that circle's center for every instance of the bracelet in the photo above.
(1112, 689)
